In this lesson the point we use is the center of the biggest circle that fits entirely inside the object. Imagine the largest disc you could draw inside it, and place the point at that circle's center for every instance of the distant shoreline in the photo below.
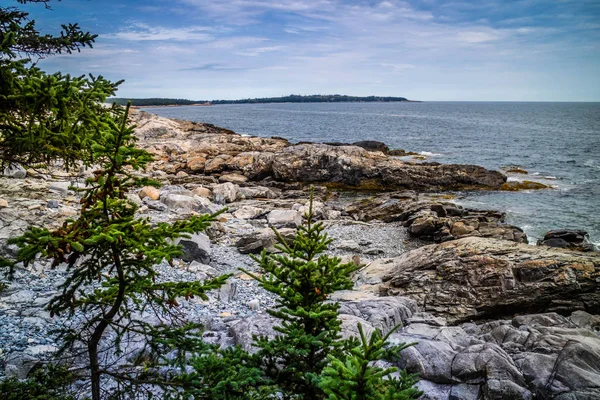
(317, 98)
(280, 102)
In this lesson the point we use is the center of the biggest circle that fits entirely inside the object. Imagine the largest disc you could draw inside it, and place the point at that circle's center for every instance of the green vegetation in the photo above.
(46, 117)
(309, 335)
(109, 246)
(293, 98)
(357, 378)
(43, 384)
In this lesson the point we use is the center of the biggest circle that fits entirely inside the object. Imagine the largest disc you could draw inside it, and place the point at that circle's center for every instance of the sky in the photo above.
(457, 50)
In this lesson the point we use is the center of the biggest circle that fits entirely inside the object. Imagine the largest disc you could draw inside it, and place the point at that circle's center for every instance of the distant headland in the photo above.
(293, 98)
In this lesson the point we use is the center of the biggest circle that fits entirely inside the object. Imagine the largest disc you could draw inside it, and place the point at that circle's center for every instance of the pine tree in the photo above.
(220, 373)
(112, 256)
(46, 117)
(303, 278)
(355, 377)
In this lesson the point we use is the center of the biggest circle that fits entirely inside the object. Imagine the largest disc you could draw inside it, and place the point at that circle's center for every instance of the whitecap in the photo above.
(592, 163)
(550, 177)
(429, 154)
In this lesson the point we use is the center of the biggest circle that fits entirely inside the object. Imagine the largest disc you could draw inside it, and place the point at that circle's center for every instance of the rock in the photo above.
(188, 203)
(264, 239)
(476, 277)
(259, 325)
(257, 192)
(196, 248)
(216, 164)
(233, 178)
(202, 271)
(430, 219)
(60, 187)
(150, 192)
(202, 192)
(401, 153)
(542, 354)
(352, 166)
(350, 326)
(227, 292)
(15, 171)
(248, 212)
(284, 218)
(225, 193)
(568, 239)
(514, 186)
(254, 304)
(382, 313)
(516, 170)
(19, 364)
(52, 203)
(155, 205)
(181, 174)
(372, 145)
(3, 203)
(196, 164)
(347, 245)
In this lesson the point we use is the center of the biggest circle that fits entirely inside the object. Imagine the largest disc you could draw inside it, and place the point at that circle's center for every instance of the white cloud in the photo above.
(143, 32)
(254, 52)
(477, 37)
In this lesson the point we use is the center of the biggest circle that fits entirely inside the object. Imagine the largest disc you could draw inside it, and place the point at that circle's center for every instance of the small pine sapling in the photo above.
(356, 377)
(303, 277)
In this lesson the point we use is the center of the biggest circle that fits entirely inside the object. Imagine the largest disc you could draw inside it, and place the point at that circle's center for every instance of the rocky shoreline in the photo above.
(493, 316)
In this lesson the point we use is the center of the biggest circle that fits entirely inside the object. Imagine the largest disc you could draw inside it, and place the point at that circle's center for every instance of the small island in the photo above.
(293, 98)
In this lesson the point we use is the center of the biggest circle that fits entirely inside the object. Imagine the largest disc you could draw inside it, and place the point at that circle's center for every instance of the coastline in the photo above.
(463, 283)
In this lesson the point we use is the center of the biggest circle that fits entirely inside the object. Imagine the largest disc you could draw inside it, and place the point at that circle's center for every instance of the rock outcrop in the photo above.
(527, 357)
(474, 278)
(568, 239)
(202, 148)
(429, 217)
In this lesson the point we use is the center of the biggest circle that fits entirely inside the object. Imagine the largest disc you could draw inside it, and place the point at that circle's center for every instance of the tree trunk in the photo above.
(102, 325)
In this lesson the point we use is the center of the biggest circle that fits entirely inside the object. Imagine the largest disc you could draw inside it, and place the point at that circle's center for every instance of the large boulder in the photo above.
(476, 277)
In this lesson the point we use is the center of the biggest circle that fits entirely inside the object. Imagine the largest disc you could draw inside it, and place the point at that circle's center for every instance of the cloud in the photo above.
(395, 47)
(254, 52)
(213, 67)
(143, 32)
(477, 37)
(399, 67)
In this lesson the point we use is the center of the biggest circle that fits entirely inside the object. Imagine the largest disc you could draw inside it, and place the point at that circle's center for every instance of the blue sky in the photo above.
(527, 50)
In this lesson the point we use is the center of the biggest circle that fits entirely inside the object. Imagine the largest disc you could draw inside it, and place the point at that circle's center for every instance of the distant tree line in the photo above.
(293, 98)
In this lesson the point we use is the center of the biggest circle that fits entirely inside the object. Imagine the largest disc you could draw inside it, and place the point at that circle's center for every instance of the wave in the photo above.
(592, 163)
(430, 154)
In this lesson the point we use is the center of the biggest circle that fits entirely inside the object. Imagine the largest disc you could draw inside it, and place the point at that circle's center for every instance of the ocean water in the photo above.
(557, 143)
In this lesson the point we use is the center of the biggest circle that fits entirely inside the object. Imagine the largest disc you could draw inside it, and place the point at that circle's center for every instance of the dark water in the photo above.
(558, 143)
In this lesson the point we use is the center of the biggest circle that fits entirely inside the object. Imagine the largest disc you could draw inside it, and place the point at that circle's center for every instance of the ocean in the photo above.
(557, 143)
